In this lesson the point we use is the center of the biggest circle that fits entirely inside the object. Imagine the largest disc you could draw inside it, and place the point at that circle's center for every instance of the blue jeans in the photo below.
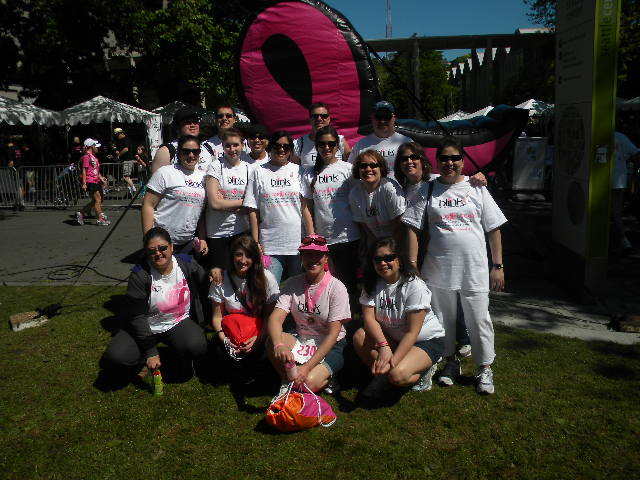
(284, 266)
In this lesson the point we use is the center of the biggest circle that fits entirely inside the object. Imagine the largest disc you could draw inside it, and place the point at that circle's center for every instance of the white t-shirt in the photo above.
(170, 299)
(378, 208)
(216, 145)
(183, 198)
(225, 295)
(387, 147)
(459, 216)
(233, 181)
(203, 160)
(275, 192)
(331, 306)
(251, 161)
(393, 301)
(332, 215)
(624, 149)
(305, 148)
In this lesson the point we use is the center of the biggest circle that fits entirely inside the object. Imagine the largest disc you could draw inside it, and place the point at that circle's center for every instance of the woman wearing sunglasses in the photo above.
(326, 188)
(175, 199)
(402, 340)
(456, 217)
(246, 296)
(376, 201)
(163, 304)
(274, 200)
(319, 305)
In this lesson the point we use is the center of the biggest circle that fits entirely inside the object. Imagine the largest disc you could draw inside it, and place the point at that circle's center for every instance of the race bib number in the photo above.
(304, 349)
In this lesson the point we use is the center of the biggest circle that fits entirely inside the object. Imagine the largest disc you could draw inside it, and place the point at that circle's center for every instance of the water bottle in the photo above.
(157, 382)
(292, 370)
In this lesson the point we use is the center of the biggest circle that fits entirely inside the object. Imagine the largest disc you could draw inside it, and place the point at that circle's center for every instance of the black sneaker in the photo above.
(449, 373)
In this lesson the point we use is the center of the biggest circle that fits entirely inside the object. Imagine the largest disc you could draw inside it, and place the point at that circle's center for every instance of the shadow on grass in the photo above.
(609, 348)
(522, 344)
(617, 371)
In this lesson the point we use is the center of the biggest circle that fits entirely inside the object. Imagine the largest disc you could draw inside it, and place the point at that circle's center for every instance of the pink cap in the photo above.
(314, 243)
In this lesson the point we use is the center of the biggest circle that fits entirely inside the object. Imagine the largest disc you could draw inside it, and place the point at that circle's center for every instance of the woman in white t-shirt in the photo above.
(457, 217)
(175, 199)
(376, 202)
(319, 305)
(243, 300)
(225, 182)
(326, 187)
(274, 199)
(402, 340)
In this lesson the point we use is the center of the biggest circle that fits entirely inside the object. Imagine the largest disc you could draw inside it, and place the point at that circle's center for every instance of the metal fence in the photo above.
(60, 186)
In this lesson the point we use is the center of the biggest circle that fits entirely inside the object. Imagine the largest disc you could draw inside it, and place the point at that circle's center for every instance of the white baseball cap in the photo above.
(90, 142)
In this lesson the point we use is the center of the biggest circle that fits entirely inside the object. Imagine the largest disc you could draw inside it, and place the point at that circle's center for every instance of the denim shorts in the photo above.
(434, 347)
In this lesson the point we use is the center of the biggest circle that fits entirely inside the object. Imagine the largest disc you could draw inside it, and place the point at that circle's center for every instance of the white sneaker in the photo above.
(284, 388)
(425, 382)
(332, 386)
(103, 221)
(80, 218)
(464, 351)
(449, 373)
(484, 381)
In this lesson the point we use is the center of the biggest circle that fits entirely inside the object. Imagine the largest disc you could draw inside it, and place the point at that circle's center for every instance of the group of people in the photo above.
(246, 229)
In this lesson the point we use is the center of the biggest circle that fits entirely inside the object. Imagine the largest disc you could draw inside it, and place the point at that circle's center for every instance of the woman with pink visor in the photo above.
(319, 305)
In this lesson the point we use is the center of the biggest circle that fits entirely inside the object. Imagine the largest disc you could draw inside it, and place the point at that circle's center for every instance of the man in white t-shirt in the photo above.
(225, 119)
(305, 146)
(257, 137)
(625, 151)
(384, 138)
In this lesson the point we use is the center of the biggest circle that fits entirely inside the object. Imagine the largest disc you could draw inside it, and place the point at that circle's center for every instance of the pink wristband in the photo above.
(382, 344)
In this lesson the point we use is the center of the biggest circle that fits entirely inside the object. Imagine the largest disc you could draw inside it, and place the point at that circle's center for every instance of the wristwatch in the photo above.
(498, 266)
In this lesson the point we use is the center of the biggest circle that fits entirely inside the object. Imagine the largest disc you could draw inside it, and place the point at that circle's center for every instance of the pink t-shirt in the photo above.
(332, 306)
(92, 165)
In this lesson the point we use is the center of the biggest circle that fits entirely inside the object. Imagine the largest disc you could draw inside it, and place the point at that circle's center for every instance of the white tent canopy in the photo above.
(478, 113)
(101, 109)
(631, 104)
(459, 115)
(536, 107)
(18, 113)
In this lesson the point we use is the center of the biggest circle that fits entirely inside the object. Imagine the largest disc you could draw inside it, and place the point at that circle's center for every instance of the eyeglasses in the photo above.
(446, 158)
(330, 144)
(258, 136)
(384, 115)
(225, 115)
(318, 240)
(364, 166)
(187, 151)
(385, 258)
(404, 158)
(159, 249)
(282, 146)
(229, 145)
(316, 116)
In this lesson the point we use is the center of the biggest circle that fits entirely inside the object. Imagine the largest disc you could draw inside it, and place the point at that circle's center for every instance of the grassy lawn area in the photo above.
(564, 409)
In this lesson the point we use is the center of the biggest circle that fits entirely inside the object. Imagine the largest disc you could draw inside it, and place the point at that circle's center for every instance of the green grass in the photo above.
(564, 409)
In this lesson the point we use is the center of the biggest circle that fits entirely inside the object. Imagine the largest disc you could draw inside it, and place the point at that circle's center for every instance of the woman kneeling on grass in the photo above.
(246, 296)
(402, 340)
(319, 304)
(163, 302)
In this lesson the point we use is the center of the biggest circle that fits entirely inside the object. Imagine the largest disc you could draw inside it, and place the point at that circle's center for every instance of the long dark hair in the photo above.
(256, 282)
(371, 276)
(373, 155)
(328, 130)
(416, 149)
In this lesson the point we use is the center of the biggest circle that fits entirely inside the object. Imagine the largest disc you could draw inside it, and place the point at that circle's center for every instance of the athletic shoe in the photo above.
(425, 382)
(284, 388)
(103, 221)
(376, 388)
(80, 218)
(332, 386)
(464, 351)
(484, 381)
(449, 373)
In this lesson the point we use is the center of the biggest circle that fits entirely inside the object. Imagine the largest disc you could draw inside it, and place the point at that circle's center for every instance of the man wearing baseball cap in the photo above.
(187, 122)
(384, 138)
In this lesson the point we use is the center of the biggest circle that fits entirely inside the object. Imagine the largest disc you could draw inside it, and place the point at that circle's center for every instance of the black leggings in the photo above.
(186, 338)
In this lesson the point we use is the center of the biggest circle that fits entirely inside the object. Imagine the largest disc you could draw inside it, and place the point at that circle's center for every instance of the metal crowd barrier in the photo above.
(60, 186)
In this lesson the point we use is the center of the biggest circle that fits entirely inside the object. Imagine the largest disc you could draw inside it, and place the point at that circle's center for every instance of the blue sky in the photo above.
(441, 17)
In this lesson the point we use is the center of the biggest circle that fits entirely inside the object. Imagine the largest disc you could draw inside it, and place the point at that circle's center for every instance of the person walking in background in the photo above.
(92, 183)
(124, 155)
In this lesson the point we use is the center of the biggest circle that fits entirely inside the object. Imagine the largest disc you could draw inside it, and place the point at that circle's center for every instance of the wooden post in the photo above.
(415, 70)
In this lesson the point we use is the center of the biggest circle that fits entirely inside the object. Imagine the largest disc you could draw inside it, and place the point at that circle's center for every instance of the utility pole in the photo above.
(388, 19)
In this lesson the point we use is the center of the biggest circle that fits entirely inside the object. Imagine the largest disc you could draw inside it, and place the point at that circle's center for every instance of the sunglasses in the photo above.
(330, 144)
(160, 249)
(404, 158)
(383, 115)
(364, 166)
(258, 136)
(225, 115)
(228, 145)
(446, 158)
(283, 146)
(316, 116)
(187, 151)
(385, 258)
(319, 240)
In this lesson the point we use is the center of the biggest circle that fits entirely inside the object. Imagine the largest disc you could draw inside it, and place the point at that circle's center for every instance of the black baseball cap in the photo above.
(384, 105)
(186, 113)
